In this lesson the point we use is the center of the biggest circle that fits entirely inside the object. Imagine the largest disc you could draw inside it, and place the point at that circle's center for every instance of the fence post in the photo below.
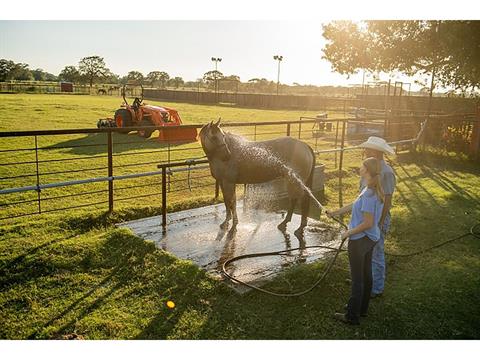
(340, 166)
(300, 128)
(38, 177)
(336, 141)
(164, 199)
(475, 142)
(110, 170)
(288, 129)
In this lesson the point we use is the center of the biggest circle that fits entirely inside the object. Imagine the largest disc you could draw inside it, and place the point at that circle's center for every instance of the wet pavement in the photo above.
(195, 235)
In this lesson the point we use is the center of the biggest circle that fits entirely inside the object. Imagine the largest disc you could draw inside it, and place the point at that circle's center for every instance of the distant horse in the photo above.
(234, 160)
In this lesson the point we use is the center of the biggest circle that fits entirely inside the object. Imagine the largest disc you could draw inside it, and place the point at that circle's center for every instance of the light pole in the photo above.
(279, 58)
(216, 61)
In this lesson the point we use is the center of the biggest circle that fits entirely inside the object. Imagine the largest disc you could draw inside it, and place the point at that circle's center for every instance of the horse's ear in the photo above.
(218, 122)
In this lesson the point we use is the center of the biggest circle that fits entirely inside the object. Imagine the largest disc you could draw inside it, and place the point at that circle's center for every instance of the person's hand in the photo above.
(345, 235)
(331, 213)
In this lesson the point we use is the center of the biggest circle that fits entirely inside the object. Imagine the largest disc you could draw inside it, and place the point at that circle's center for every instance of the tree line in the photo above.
(93, 70)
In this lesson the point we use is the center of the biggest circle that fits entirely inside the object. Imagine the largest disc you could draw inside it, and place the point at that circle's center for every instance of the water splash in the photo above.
(254, 150)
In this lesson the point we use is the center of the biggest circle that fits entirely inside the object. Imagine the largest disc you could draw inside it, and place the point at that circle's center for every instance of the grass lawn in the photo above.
(73, 274)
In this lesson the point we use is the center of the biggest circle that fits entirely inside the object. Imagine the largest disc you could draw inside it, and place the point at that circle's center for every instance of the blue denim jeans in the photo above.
(360, 258)
(378, 260)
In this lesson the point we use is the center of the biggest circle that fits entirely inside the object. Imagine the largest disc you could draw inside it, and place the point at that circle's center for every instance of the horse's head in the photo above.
(214, 142)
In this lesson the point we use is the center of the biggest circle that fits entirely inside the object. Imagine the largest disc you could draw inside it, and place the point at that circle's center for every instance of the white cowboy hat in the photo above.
(379, 144)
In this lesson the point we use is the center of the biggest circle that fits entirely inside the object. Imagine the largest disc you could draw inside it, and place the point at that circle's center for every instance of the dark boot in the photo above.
(343, 318)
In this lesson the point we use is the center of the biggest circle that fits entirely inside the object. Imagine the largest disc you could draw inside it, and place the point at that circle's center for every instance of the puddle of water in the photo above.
(195, 235)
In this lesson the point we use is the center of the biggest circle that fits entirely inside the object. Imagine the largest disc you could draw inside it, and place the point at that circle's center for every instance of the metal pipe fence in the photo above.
(58, 170)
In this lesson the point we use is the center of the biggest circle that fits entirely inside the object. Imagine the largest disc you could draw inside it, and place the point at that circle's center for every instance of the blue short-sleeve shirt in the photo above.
(367, 201)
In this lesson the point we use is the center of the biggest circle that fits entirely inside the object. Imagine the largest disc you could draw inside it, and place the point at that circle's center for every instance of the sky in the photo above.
(181, 48)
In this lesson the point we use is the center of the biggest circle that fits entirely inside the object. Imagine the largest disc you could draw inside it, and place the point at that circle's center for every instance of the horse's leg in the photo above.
(305, 209)
(232, 202)
(283, 225)
(226, 200)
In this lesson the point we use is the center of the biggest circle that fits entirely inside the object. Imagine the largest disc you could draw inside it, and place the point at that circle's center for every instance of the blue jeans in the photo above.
(360, 258)
(378, 260)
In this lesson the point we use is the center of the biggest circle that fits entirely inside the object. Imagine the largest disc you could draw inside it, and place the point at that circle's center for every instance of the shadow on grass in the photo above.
(93, 144)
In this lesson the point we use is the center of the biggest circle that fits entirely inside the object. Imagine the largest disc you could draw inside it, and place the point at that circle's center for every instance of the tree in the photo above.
(158, 77)
(69, 74)
(177, 81)
(22, 72)
(111, 78)
(447, 51)
(135, 76)
(38, 75)
(6, 68)
(14, 71)
(262, 85)
(211, 76)
(230, 82)
(93, 68)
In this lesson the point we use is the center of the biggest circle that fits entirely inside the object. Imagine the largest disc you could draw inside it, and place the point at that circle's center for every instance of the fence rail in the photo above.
(52, 164)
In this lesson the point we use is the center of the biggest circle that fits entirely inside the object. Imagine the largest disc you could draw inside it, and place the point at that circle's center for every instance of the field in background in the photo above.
(72, 274)
(85, 155)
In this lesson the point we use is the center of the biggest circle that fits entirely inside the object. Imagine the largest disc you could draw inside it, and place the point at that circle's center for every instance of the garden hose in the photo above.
(474, 231)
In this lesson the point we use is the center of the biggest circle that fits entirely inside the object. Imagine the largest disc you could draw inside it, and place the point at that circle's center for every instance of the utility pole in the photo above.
(279, 58)
(216, 61)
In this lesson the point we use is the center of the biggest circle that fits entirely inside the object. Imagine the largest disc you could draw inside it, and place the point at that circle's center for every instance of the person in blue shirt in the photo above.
(363, 233)
(376, 147)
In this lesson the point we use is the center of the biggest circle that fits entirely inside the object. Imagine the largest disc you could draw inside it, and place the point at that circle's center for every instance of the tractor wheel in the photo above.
(146, 133)
(123, 119)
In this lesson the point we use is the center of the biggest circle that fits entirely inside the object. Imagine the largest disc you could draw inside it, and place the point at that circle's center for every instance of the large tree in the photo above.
(6, 69)
(447, 51)
(210, 77)
(70, 74)
(10, 70)
(158, 77)
(135, 76)
(93, 68)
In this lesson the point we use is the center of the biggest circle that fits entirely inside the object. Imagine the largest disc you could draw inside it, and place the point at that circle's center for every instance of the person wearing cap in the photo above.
(376, 147)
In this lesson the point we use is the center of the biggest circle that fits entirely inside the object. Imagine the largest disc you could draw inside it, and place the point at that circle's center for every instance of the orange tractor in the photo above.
(139, 114)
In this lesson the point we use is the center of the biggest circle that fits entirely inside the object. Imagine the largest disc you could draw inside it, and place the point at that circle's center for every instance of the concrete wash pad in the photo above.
(195, 235)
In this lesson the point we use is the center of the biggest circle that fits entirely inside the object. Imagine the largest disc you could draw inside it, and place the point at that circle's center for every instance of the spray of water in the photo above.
(255, 151)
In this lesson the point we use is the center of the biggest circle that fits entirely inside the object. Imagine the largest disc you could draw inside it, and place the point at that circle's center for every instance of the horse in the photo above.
(235, 160)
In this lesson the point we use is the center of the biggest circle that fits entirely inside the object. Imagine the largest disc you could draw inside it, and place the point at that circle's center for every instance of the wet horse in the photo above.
(234, 160)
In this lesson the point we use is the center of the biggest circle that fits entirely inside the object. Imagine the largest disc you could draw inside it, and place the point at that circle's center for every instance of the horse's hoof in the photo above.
(282, 226)
(231, 233)
(299, 232)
